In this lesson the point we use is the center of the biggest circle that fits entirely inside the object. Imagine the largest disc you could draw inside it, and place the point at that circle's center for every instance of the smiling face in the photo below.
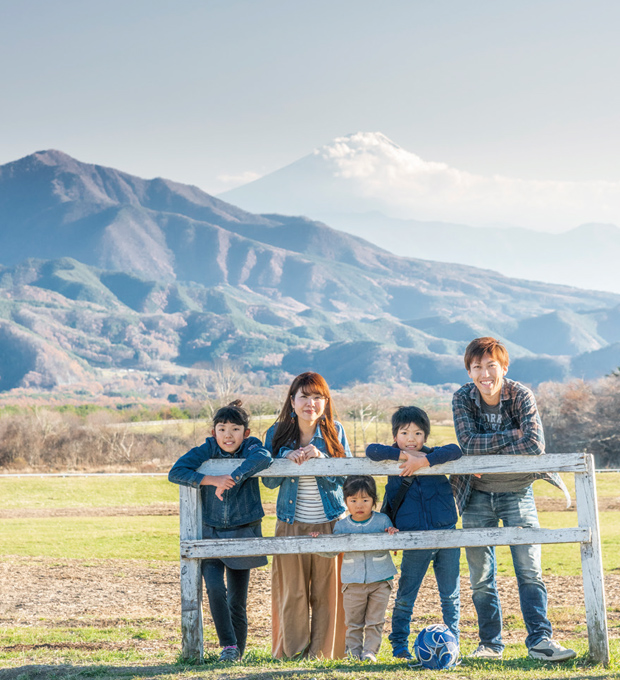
(359, 506)
(230, 436)
(410, 437)
(309, 407)
(487, 374)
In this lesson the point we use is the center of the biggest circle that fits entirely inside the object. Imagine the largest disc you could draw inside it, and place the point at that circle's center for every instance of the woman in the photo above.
(307, 584)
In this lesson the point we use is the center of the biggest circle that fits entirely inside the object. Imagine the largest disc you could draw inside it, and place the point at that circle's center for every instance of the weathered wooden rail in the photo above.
(193, 548)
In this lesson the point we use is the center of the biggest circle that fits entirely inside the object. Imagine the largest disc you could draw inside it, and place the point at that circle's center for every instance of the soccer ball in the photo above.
(436, 647)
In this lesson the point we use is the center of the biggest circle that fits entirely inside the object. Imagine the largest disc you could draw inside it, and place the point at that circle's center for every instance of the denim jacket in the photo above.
(428, 503)
(330, 488)
(241, 504)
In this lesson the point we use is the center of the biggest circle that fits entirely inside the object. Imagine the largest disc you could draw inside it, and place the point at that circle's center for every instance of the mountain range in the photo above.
(368, 186)
(101, 270)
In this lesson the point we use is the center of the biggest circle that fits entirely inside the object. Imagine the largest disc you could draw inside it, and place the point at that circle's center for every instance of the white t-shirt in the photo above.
(309, 506)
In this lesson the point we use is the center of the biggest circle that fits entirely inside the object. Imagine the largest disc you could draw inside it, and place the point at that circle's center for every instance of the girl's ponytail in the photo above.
(232, 413)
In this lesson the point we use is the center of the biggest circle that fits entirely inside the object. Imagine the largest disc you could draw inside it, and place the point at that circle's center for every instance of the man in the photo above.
(496, 415)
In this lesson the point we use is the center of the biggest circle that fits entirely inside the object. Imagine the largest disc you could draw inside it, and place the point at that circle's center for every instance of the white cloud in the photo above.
(369, 171)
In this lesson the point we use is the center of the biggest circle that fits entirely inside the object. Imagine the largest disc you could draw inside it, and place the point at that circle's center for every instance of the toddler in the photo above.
(366, 576)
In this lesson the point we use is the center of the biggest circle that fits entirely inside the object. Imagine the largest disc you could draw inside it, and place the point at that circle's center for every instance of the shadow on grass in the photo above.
(267, 669)
(102, 672)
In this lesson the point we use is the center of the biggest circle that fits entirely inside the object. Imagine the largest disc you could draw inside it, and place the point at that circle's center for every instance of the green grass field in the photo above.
(147, 647)
(85, 492)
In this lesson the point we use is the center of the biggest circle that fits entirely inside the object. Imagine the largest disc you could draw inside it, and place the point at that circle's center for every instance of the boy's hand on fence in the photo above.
(391, 531)
(220, 482)
(315, 534)
(412, 462)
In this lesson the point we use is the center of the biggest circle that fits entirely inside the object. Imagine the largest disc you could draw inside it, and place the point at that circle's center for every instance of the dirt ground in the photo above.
(75, 593)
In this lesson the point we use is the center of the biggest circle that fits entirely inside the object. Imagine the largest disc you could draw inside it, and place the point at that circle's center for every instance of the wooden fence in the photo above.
(193, 548)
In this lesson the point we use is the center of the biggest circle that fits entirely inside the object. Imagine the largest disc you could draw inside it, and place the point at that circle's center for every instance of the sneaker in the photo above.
(550, 650)
(401, 653)
(230, 653)
(483, 652)
(369, 656)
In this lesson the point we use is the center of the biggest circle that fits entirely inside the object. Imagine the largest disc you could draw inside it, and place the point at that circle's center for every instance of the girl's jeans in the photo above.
(228, 609)
(413, 568)
(515, 509)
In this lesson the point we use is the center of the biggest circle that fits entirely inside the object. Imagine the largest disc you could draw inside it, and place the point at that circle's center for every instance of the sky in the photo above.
(218, 92)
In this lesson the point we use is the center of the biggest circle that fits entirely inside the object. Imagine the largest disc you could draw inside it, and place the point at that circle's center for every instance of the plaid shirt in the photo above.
(519, 412)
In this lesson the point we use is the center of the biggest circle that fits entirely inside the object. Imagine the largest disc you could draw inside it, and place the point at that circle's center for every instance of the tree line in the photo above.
(577, 416)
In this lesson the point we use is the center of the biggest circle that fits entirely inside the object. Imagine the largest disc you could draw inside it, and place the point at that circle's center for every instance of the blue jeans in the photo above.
(413, 568)
(515, 509)
(228, 607)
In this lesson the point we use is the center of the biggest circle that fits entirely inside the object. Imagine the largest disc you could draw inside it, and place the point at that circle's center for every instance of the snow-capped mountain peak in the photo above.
(367, 171)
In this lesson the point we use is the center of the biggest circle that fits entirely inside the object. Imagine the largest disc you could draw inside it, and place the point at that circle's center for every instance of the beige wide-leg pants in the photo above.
(306, 600)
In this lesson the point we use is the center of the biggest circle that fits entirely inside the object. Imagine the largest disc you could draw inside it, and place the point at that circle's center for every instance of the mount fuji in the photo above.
(368, 186)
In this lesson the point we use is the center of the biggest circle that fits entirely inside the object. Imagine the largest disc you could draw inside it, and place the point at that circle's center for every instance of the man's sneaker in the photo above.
(230, 653)
(483, 652)
(369, 656)
(550, 650)
(401, 653)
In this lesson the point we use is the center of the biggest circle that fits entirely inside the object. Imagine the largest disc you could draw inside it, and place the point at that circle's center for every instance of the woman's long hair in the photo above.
(287, 430)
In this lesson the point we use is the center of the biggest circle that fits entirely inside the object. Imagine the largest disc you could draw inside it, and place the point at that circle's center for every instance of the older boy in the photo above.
(496, 415)
(420, 503)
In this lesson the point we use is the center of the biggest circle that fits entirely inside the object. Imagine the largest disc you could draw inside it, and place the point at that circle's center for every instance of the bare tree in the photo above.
(228, 379)
(583, 416)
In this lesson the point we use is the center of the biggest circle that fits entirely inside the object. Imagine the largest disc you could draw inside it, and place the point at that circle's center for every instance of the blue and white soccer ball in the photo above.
(436, 647)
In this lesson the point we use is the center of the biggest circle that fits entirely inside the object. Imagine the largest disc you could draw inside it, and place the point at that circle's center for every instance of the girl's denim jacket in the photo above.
(241, 504)
(330, 488)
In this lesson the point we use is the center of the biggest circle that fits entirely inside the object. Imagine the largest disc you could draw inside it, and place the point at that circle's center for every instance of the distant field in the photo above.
(85, 492)
(375, 432)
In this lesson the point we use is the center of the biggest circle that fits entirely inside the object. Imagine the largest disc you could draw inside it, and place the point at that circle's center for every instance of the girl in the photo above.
(418, 503)
(231, 508)
(366, 576)
(305, 584)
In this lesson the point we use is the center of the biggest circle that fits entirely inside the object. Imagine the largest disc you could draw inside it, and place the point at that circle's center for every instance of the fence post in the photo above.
(592, 563)
(191, 577)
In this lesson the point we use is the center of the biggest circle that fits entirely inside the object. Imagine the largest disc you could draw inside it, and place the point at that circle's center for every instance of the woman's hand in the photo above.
(412, 462)
(297, 456)
(311, 451)
(304, 453)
